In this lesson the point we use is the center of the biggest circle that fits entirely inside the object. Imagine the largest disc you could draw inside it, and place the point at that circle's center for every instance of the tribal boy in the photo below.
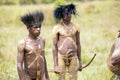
(66, 43)
(31, 62)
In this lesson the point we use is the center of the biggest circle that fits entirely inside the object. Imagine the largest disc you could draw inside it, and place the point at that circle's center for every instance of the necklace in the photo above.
(68, 27)
(36, 41)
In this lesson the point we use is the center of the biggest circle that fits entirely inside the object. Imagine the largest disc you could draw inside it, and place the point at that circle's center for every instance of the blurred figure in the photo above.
(114, 58)
(66, 43)
(31, 62)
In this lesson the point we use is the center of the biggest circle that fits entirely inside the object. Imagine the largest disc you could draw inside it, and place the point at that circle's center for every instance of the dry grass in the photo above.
(99, 23)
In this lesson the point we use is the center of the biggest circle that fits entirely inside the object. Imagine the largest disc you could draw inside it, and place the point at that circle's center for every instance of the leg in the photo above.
(43, 77)
(73, 68)
(117, 77)
(33, 79)
(27, 77)
(62, 68)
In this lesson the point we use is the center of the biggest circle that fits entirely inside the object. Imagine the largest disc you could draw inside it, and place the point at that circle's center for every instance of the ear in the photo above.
(28, 28)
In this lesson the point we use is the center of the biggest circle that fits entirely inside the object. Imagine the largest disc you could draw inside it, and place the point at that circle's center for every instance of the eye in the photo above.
(39, 25)
(36, 26)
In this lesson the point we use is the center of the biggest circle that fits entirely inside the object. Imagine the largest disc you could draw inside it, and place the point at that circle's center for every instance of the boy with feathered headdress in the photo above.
(66, 43)
(31, 62)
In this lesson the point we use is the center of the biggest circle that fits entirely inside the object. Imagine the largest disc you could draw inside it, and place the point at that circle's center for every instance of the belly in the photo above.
(33, 72)
(35, 65)
(115, 69)
(66, 46)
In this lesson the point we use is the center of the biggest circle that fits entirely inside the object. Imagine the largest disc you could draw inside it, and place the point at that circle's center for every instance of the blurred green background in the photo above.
(97, 19)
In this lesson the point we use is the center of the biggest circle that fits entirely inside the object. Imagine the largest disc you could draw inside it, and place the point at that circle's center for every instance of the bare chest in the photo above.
(33, 47)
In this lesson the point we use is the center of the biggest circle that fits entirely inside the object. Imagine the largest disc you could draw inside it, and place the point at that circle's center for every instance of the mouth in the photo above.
(37, 32)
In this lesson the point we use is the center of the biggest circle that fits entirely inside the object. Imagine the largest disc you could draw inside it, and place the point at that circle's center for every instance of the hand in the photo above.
(56, 70)
(80, 66)
(47, 79)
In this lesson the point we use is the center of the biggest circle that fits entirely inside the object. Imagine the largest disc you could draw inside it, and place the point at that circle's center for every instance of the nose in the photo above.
(69, 15)
(38, 28)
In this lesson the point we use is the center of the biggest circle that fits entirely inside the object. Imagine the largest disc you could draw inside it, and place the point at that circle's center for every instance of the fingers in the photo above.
(57, 72)
(79, 69)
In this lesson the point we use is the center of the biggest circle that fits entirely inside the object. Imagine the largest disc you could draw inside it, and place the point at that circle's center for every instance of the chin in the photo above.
(37, 35)
(69, 20)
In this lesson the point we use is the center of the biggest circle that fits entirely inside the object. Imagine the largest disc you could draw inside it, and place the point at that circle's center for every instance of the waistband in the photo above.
(70, 55)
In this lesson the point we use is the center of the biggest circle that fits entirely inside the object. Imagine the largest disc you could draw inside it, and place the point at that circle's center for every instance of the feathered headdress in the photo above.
(64, 9)
(33, 19)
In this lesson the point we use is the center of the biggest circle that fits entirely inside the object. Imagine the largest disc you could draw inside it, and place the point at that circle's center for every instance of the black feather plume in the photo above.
(32, 18)
(58, 12)
(64, 9)
(72, 9)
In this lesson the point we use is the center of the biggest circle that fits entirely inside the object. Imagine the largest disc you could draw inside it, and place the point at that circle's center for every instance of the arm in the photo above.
(115, 58)
(78, 50)
(20, 57)
(55, 53)
(46, 71)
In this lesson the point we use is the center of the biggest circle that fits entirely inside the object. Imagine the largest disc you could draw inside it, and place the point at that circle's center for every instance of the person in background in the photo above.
(114, 58)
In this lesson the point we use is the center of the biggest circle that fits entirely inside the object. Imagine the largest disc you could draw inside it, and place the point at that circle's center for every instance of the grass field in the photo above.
(99, 24)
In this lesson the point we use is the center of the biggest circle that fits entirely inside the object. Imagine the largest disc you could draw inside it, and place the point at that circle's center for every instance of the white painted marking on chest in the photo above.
(29, 46)
(39, 46)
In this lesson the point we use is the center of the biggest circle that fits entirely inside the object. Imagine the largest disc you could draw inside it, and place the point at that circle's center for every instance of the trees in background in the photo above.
(35, 1)
(24, 2)
(9, 2)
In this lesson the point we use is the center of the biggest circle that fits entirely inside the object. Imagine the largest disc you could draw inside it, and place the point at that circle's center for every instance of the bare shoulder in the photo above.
(56, 29)
(21, 44)
(76, 26)
(42, 40)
